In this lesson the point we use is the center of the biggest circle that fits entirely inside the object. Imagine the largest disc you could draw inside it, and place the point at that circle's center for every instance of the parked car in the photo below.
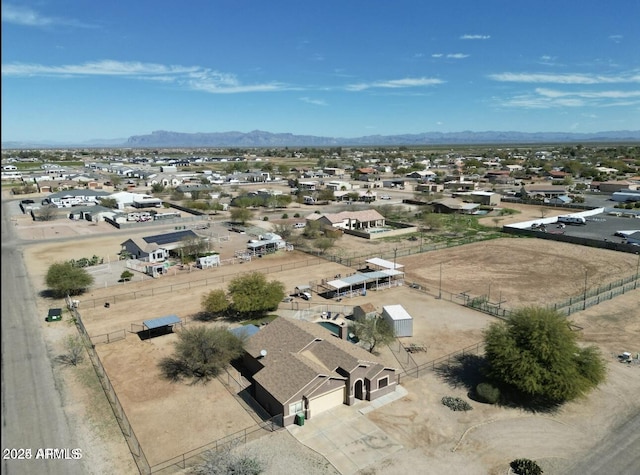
(385, 197)
(305, 295)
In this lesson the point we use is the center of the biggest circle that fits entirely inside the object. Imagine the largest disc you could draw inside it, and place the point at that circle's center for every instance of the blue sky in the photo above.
(76, 70)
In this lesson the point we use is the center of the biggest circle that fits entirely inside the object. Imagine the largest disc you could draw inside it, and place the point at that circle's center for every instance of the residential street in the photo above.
(32, 414)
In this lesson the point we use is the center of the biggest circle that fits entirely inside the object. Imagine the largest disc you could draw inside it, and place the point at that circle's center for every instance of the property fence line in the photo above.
(108, 337)
(123, 422)
(183, 460)
(217, 279)
(447, 359)
(196, 456)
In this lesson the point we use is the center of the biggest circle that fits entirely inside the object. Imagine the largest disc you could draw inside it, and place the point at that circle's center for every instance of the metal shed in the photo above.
(399, 319)
(159, 326)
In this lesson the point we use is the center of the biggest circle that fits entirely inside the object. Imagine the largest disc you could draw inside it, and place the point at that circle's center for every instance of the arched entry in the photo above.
(358, 389)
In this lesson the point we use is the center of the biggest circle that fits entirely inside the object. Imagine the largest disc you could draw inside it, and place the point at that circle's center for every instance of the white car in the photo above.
(385, 197)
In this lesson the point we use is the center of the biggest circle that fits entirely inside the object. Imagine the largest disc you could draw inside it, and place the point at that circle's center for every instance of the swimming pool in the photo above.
(335, 329)
(332, 327)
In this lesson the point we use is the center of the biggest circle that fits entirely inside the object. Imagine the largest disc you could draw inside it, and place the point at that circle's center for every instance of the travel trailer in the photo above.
(572, 219)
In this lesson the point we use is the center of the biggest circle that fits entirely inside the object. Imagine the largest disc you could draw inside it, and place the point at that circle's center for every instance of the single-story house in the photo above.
(298, 367)
(362, 220)
(454, 205)
(267, 243)
(156, 248)
(542, 191)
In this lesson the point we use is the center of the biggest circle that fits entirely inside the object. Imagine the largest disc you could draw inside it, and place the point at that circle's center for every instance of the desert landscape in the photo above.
(168, 421)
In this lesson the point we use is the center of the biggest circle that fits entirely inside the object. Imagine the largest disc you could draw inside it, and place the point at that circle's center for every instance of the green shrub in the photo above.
(525, 467)
(266, 218)
(456, 404)
(487, 393)
(285, 216)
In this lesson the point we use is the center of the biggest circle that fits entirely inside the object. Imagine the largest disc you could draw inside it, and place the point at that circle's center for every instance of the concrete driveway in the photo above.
(346, 437)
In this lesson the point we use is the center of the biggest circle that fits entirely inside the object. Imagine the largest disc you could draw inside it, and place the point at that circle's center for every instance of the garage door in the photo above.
(326, 401)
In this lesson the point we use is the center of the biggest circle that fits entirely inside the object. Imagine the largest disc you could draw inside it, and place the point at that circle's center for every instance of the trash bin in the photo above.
(54, 315)
(300, 418)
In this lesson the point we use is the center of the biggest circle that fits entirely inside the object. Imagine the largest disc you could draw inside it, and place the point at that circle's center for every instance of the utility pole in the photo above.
(440, 283)
(584, 305)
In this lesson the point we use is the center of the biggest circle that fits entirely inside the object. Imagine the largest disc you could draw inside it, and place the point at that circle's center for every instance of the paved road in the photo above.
(32, 412)
(619, 454)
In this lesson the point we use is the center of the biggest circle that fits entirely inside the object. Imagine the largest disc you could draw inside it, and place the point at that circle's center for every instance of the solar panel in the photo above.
(177, 236)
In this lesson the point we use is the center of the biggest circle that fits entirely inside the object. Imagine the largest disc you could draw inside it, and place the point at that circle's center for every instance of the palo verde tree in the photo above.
(252, 294)
(215, 303)
(373, 331)
(64, 279)
(201, 353)
(536, 352)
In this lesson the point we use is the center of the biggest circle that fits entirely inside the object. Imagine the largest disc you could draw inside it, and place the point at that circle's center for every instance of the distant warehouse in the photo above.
(626, 195)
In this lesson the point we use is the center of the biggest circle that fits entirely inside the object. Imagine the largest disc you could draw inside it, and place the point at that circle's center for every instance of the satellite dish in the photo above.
(263, 353)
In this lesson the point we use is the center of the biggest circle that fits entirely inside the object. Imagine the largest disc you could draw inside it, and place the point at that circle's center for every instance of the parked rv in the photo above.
(572, 219)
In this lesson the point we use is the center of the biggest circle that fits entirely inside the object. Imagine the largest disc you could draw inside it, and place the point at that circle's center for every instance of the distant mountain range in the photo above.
(259, 139)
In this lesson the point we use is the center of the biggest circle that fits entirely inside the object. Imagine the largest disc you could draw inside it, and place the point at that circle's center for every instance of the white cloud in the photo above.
(25, 16)
(475, 37)
(192, 77)
(317, 102)
(588, 94)
(395, 84)
(457, 55)
(19, 15)
(564, 78)
(616, 38)
(437, 55)
(542, 98)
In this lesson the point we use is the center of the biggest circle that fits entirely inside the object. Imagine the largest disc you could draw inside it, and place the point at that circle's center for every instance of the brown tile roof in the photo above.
(368, 307)
(363, 216)
(298, 352)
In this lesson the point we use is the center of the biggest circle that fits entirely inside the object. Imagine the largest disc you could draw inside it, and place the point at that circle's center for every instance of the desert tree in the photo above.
(74, 351)
(241, 215)
(201, 353)
(252, 294)
(535, 352)
(373, 331)
(324, 244)
(215, 303)
(284, 230)
(64, 279)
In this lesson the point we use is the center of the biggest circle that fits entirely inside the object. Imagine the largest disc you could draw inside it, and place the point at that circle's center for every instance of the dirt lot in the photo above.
(516, 271)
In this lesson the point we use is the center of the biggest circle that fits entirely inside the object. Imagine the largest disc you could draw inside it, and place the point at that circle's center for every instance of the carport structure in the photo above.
(158, 326)
(356, 284)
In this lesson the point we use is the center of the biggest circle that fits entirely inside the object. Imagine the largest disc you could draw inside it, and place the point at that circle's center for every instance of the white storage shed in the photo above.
(399, 319)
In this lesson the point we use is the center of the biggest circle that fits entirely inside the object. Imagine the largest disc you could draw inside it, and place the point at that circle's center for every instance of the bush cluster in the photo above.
(525, 467)
(487, 393)
(456, 404)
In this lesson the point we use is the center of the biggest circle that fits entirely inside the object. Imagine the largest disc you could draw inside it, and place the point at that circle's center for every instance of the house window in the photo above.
(295, 408)
(382, 383)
